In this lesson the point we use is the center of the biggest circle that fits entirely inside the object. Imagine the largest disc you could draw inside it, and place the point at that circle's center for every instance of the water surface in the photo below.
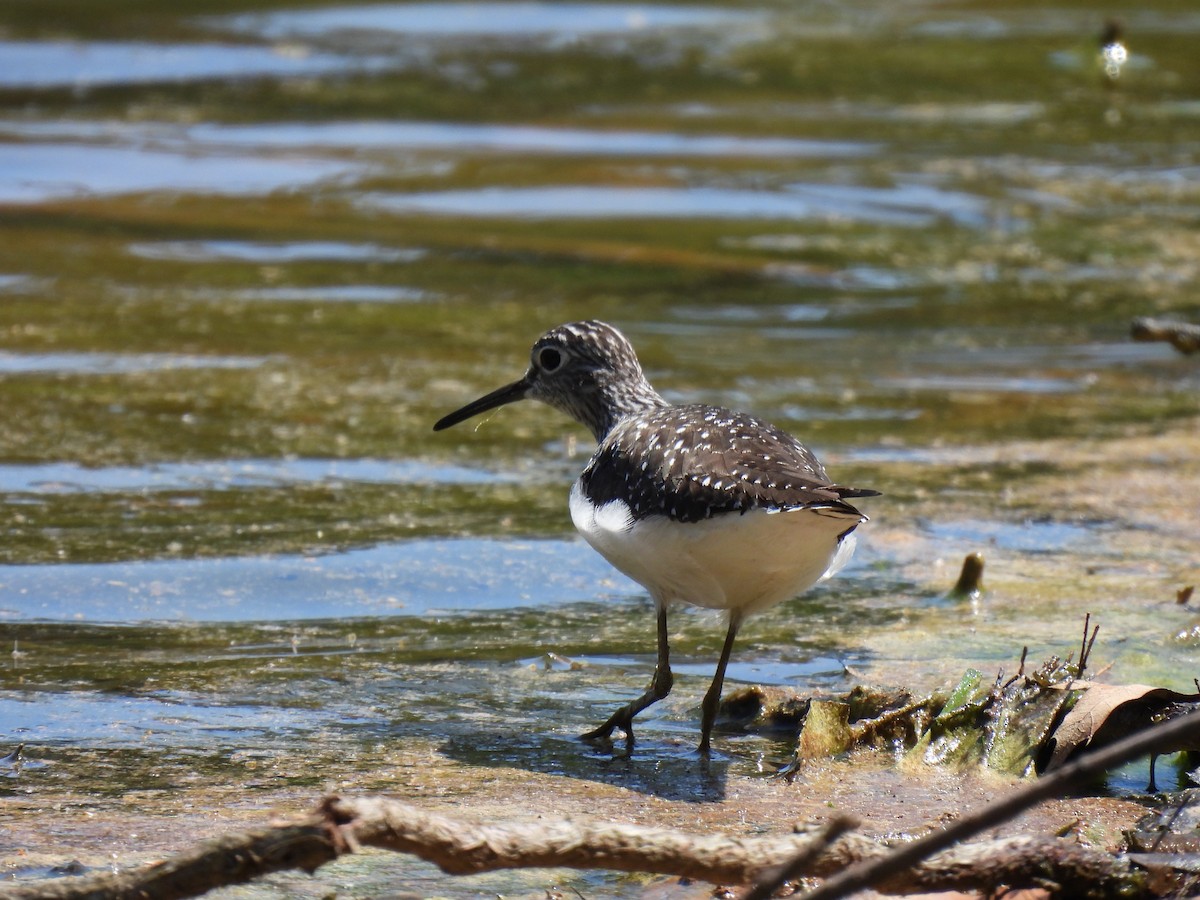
(36, 172)
(84, 65)
(248, 259)
(910, 205)
(482, 19)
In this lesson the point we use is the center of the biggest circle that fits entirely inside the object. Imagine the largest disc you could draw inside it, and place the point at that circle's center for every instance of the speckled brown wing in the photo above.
(690, 463)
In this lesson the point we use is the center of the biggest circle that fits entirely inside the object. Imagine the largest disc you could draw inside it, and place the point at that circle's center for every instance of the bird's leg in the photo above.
(712, 699)
(660, 686)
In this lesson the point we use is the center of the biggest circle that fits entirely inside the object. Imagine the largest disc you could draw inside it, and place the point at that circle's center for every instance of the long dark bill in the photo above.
(510, 393)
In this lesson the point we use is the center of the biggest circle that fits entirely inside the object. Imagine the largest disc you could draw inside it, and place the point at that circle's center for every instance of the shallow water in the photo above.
(36, 172)
(84, 65)
(253, 251)
(418, 577)
(250, 255)
(114, 363)
(472, 19)
(891, 206)
(209, 475)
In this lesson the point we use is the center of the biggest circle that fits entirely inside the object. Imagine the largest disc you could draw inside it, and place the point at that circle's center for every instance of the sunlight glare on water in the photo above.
(34, 173)
(894, 206)
(83, 65)
(258, 252)
(473, 19)
(416, 578)
(69, 477)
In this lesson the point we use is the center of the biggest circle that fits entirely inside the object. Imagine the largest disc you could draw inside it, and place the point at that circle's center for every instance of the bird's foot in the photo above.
(622, 719)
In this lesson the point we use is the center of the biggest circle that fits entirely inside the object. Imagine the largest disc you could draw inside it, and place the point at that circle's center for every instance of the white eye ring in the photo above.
(549, 359)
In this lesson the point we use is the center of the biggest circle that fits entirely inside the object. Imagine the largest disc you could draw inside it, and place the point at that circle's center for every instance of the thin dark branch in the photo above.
(1083, 647)
(230, 859)
(1092, 640)
(796, 866)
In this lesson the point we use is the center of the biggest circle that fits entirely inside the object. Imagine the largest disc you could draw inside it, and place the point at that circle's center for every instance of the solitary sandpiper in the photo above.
(696, 503)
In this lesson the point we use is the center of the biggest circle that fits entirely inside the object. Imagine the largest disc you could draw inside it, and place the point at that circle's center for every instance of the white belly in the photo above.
(744, 563)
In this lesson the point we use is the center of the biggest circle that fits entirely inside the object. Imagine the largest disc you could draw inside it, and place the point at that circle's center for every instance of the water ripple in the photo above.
(468, 136)
(911, 205)
(478, 19)
(266, 252)
(225, 474)
(75, 64)
(35, 172)
(117, 363)
(418, 577)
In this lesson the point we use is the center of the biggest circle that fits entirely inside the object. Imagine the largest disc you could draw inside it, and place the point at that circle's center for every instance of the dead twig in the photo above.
(1085, 648)
(457, 846)
(463, 847)
(230, 859)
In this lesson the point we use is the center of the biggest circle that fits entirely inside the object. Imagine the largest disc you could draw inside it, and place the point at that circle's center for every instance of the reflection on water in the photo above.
(987, 384)
(262, 158)
(1031, 536)
(162, 721)
(502, 138)
(36, 172)
(999, 113)
(116, 363)
(419, 577)
(226, 474)
(19, 284)
(409, 136)
(1057, 21)
(260, 252)
(473, 19)
(911, 205)
(351, 293)
(769, 671)
(76, 64)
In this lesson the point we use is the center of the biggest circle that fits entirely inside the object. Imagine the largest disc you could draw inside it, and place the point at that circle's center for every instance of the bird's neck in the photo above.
(610, 404)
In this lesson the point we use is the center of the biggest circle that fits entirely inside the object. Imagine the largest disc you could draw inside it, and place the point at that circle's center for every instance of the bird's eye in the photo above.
(549, 359)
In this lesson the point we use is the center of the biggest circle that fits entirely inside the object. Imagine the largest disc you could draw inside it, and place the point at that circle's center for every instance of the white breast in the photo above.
(743, 562)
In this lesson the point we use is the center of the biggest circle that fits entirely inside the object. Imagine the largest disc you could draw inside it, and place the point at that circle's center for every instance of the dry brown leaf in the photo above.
(1108, 712)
